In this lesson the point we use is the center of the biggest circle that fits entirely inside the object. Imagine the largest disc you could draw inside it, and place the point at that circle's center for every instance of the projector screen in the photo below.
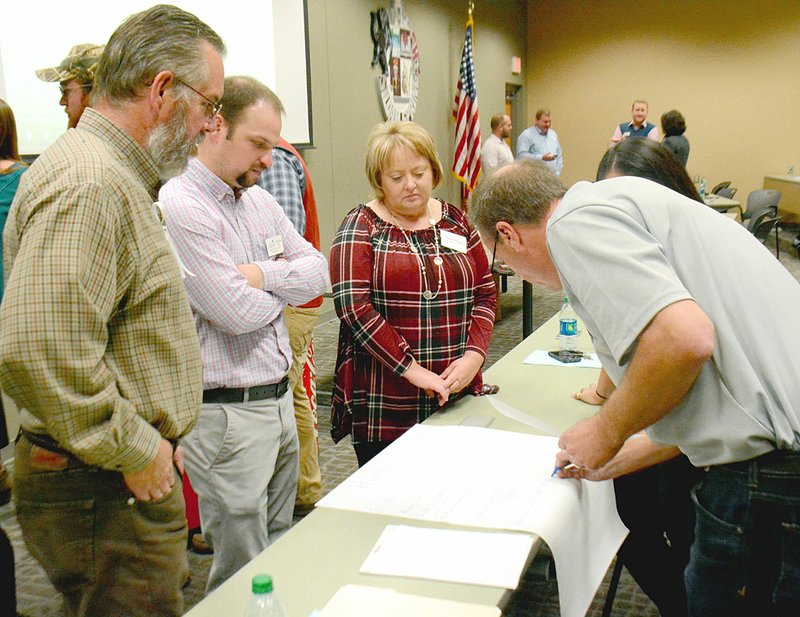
(266, 39)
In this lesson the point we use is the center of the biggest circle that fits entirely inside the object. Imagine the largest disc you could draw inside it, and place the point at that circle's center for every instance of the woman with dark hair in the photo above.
(10, 171)
(674, 126)
(651, 481)
(645, 158)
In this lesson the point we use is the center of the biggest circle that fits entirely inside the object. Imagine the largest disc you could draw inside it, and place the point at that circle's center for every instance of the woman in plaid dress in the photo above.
(414, 293)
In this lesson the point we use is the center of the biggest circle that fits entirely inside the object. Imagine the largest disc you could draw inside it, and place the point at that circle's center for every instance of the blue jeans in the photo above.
(746, 555)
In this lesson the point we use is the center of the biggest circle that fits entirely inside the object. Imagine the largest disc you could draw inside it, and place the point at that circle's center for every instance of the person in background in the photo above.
(645, 158)
(495, 152)
(75, 76)
(245, 262)
(97, 341)
(413, 290)
(681, 304)
(11, 168)
(653, 502)
(540, 143)
(674, 126)
(289, 182)
(637, 127)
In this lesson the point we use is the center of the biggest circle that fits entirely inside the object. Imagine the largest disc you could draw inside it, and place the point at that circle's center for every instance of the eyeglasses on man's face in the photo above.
(212, 107)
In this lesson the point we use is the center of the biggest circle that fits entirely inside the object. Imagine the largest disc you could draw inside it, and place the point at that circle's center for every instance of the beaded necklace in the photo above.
(426, 293)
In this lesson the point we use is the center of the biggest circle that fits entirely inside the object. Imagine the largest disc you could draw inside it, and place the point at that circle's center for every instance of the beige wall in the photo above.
(344, 93)
(730, 67)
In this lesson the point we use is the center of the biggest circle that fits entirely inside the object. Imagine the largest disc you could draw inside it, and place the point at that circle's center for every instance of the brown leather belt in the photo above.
(243, 395)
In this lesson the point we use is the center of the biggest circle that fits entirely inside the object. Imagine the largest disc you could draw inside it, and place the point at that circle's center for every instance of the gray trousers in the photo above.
(242, 460)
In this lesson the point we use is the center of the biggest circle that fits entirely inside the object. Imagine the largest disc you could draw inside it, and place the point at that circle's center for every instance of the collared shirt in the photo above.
(625, 249)
(242, 334)
(495, 154)
(97, 342)
(285, 180)
(533, 144)
(628, 129)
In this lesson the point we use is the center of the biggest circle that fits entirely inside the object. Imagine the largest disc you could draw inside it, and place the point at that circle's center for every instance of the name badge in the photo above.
(274, 246)
(454, 241)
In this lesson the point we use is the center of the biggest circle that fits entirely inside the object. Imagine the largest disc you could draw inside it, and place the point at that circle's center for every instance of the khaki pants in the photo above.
(301, 322)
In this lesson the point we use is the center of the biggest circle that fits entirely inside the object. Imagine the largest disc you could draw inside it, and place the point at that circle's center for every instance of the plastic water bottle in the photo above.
(702, 188)
(567, 327)
(264, 602)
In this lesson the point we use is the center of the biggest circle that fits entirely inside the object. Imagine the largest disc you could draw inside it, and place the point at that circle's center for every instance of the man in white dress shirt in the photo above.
(495, 152)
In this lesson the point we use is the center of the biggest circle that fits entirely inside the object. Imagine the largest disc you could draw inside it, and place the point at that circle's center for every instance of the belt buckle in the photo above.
(47, 460)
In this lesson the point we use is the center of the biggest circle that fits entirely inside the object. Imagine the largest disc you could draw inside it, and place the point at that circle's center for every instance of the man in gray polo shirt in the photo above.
(696, 324)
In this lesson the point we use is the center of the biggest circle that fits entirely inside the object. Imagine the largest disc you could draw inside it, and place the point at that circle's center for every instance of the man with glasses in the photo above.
(75, 76)
(246, 262)
(682, 306)
(97, 340)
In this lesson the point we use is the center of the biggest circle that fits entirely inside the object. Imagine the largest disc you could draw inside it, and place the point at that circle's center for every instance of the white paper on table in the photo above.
(492, 559)
(487, 478)
(540, 356)
(520, 416)
(363, 601)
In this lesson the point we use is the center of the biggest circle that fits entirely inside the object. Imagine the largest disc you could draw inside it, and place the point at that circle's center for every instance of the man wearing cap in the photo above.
(75, 76)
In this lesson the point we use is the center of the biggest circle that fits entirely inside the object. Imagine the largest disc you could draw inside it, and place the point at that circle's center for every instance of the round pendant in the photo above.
(427, 294)
(432, 222)
(414, 249)
(438, 260)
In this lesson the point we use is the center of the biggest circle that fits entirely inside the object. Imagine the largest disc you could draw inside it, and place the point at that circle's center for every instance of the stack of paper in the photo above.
(473, 557)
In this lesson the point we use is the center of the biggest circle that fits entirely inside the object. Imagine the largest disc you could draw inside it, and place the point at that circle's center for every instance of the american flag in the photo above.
(467, 157)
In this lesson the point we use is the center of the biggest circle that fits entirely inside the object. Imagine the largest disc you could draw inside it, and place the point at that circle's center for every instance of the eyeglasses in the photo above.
(64, 90)
(212, 107)
(494, 250)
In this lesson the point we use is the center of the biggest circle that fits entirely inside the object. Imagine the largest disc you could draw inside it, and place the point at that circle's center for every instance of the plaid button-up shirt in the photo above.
(97, 343)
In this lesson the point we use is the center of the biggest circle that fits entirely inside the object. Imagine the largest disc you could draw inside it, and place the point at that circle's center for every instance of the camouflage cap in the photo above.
(81, 62)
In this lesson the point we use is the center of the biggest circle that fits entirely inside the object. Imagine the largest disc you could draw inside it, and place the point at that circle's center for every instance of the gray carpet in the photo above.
(538, 593)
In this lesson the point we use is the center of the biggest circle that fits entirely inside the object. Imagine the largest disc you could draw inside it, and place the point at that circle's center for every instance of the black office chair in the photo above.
(728, 192)
(761, 226)
(720, 186)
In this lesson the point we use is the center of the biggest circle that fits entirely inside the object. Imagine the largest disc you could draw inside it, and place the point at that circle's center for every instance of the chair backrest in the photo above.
(721, 185)
(727, 192)
(762, 224)
(760, 199)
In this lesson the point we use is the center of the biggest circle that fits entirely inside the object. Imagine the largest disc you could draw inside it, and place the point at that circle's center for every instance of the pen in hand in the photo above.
(556, 469)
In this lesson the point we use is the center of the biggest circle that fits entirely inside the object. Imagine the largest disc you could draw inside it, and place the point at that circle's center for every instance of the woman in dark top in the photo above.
(674, 126)
(654, 501)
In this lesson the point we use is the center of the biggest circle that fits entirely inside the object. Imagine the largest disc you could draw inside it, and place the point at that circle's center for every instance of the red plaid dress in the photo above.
(386, 323)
